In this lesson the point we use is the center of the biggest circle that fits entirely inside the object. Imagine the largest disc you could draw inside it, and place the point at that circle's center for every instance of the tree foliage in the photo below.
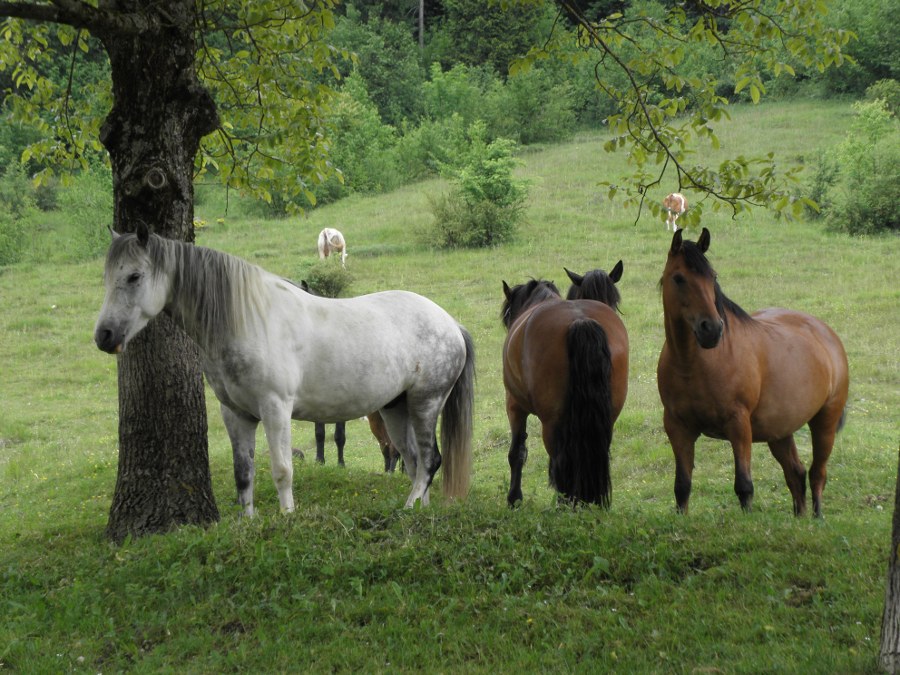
(264, 63)
(663, 115)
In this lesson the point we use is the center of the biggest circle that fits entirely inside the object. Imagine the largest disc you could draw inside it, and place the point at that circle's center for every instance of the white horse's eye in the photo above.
(134, 278)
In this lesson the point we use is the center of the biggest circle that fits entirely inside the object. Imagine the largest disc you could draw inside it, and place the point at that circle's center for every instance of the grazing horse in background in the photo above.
(675, 204)
(331, 241)
(596, 285)
(272, 352)
(745, 379)
(388, 449)
(565, 361)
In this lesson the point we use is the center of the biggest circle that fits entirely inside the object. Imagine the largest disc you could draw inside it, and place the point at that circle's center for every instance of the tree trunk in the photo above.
(890, 622)
(160, 113)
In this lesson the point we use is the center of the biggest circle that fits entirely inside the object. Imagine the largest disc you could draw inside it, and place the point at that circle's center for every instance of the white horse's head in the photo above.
(136, 291)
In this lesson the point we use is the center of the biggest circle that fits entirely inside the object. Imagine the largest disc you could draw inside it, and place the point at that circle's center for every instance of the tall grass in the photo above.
(352, 582)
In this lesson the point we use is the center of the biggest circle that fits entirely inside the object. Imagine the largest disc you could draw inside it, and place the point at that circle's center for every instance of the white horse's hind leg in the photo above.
(277, 423)
(423, 420)
(397, 422)
(242, 432)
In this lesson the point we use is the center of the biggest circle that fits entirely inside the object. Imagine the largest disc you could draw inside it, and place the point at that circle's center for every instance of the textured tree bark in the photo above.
(160, 113)
(890, 622)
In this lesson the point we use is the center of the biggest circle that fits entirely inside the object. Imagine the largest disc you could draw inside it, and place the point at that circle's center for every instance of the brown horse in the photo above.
(388, 449)
(745, 379)
(566, 362)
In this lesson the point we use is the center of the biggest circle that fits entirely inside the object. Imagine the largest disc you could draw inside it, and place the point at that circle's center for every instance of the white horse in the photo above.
(675, 204)
(272, 352)
(330, 241)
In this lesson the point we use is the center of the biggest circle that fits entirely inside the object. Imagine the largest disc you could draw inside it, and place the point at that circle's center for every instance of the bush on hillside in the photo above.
(486, 202)
(887, 91)
(327, 278)
(865, 194)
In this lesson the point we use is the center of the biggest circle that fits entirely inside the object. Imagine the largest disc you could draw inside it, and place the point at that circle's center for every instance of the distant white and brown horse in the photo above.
(272, 352)
(675, 204)
(332, 241)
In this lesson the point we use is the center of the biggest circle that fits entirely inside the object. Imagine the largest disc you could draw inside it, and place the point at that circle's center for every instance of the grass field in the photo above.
(352, 582)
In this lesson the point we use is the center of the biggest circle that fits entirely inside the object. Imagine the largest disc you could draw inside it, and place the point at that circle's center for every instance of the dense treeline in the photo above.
(411, 103)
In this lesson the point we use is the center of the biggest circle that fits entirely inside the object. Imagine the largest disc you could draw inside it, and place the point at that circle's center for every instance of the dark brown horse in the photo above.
(566, 362)
(745, 379)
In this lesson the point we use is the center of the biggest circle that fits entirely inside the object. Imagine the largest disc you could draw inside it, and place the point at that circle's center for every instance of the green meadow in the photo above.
(353, 582)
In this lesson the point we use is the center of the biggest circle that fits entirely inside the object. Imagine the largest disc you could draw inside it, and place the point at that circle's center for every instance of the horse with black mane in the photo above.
(597, 285)
(741, 378)
(565, 361)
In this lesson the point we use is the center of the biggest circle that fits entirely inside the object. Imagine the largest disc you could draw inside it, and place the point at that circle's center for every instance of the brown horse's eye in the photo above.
(679, 280)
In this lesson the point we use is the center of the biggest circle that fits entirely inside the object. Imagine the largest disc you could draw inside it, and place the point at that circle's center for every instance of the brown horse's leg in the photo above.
(741, 439)
(682, 442)
(518, 452)
(320, 442)
(823, 428)
(785, 451)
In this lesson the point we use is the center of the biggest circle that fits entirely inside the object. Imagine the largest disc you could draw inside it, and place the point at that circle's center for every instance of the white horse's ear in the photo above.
(703, 241)
(676, 242)
(112, 233)
(616, 273)
(575, 278)
(142, 232)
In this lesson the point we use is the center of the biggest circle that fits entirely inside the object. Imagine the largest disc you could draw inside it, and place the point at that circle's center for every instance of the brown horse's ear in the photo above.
(143, 233)
(576, 278)
(676, 242)
(703, 241)
(616, 273)
(507, 291)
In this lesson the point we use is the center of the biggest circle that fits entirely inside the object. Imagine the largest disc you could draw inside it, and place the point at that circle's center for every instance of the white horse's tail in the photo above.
(456, 427)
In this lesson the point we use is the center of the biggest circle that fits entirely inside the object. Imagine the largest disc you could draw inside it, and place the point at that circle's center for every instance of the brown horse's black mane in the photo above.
(698, 264)
(596, 285)
(525, 295)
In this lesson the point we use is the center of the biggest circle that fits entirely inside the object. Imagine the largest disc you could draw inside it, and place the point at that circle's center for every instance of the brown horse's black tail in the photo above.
(579, 463)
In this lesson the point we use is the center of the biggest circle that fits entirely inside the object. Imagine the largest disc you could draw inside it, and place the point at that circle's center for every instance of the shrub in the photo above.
(327, 278)
(822, 181)
(887, 91)
(866, 195)
(461, 224)
(486, 202)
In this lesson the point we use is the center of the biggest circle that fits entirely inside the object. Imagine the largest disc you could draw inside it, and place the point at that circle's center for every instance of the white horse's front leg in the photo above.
(242, 432)
(277, 423)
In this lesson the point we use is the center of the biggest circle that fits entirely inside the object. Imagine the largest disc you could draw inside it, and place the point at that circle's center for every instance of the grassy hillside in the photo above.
(352, 582)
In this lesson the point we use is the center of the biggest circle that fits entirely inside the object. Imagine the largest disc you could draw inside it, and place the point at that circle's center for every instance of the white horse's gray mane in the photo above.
(214, 295)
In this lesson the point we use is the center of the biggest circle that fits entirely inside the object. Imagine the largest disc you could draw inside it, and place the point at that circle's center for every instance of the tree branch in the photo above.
(82, 15)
